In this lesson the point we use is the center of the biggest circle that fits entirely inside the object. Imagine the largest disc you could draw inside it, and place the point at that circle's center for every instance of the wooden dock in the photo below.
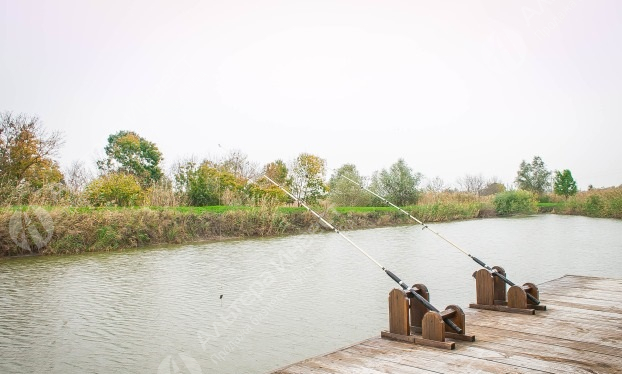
(581, 332)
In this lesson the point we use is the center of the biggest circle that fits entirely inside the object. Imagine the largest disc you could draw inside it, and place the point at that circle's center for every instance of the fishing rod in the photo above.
(408, 290)
(480, 262)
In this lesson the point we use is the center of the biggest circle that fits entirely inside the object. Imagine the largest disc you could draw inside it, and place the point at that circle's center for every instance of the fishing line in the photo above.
(408, 290)
(477, 260)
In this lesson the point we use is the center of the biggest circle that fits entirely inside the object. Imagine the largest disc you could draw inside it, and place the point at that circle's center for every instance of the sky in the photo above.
(452, 87)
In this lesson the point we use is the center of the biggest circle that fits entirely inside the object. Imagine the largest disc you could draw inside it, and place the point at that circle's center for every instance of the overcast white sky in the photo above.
(452, 87)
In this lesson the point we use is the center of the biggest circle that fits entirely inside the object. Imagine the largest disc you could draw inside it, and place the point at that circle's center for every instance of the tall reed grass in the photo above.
(87, 229)
(602, 203)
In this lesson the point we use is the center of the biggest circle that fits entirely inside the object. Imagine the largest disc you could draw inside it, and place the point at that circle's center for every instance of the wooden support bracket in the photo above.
(430, 325)
(491, 295)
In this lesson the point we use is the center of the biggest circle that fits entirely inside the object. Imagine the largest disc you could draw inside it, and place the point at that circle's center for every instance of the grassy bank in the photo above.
(86, 229)
(600, 203)
(76, 230)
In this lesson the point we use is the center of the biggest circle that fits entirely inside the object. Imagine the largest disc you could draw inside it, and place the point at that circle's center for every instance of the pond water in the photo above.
(252, 306)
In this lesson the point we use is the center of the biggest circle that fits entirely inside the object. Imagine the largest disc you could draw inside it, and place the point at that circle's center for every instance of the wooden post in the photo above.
(499, 286)
(398, 313)
(456, 315)
(418, 310)
(517, 297)
(484, 286)
(531, 289)
(433, 327)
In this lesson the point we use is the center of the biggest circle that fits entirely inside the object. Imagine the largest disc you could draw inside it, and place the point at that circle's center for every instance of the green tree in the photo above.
(127, 152)
(26, 152)
(307, 176)
(115, 189)
(399, 184)
(206, 184)
(278, 172)
(564, 184)
(342, 192)
(534, 176)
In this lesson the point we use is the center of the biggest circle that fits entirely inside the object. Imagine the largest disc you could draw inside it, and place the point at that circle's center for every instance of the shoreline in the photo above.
(65, 231)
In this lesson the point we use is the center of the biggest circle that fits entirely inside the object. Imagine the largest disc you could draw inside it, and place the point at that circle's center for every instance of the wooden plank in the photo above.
(582, 318)
(438, 361)
(412, 339)
(503, 355)
(603, 305)
(594, 295)
(502, 308)
(484, 332)
(575, 307)
(373, 362)
(583, 281)
(552, 353)
(551, 329)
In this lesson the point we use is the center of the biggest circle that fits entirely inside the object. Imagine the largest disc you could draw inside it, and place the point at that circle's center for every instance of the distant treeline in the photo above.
(130, 174)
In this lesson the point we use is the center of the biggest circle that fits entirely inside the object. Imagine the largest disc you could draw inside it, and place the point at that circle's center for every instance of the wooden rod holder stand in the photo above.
(491, 295)
(407, 315)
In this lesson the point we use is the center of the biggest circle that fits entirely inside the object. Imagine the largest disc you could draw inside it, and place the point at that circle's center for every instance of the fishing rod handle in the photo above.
(480, 262)
(532, 298)
(409, 290)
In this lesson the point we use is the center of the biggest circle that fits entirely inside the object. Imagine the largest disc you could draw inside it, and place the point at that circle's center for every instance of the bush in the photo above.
(515, 202)
(115, 189)
(603, 203)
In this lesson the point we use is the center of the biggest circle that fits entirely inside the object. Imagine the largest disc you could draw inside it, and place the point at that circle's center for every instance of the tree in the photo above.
(342, 192)
(307, 176)
(115, 189)
(436, 185)
(399, 184)
(492, 188)
(237, 163)
(77, 177)
(278, 172)
(472, 183)
(206, 184)
(26, 152)
(533, 177)
(564, 184)
(129, 153)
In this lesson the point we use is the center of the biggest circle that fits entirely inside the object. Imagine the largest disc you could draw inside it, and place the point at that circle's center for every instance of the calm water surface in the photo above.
(283, 300)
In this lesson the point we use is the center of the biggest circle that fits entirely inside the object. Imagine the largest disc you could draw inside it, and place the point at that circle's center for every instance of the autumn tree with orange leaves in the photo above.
(26, 153)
